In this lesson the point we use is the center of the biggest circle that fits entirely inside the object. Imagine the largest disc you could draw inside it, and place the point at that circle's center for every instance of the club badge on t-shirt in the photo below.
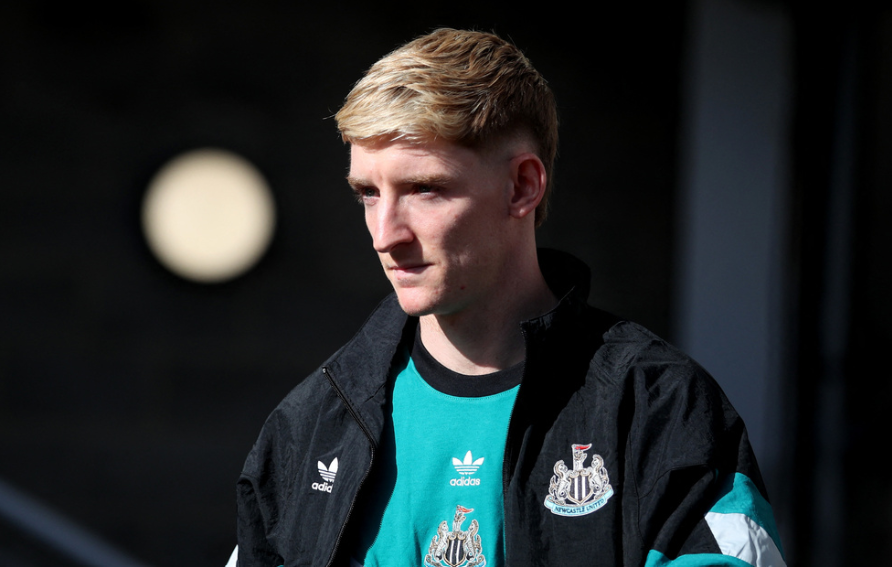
(456, 547)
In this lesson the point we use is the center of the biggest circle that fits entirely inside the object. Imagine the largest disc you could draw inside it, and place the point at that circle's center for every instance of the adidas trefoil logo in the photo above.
(328, 474)
(466, 467)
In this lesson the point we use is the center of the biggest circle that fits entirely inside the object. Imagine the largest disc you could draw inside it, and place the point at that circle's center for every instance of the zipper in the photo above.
(374, 446)
(509, 449)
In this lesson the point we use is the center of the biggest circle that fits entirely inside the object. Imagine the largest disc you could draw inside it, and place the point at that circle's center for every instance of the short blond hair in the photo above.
(467, 87)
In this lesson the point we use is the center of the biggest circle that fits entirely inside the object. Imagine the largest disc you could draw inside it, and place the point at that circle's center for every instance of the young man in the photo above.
(485, 414)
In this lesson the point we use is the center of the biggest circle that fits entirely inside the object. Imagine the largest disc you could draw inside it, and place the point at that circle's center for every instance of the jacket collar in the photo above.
(569, 279)
(565, 274)
(360, 369)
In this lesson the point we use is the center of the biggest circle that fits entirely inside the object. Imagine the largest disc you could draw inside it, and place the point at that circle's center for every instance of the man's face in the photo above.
(437, 214)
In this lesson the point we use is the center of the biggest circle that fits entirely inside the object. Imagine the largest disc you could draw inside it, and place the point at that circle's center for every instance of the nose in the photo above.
(387, 225)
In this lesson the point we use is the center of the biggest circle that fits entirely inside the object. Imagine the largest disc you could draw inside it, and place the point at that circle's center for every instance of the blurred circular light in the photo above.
(208, 215)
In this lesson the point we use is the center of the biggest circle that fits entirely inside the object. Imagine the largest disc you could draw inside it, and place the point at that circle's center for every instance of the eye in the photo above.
(364, 194)
(426, 189)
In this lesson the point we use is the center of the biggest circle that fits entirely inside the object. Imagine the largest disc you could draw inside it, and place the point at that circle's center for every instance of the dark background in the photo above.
(129, 397)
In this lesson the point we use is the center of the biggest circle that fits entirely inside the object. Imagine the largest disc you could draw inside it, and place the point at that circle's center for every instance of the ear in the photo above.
(529, 181)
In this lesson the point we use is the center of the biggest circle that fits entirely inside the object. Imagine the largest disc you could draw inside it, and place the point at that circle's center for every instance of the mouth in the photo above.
(400, 271)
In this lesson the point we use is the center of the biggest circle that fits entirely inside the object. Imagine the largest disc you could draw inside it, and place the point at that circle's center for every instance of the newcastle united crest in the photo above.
(581, 490)
(456, 548)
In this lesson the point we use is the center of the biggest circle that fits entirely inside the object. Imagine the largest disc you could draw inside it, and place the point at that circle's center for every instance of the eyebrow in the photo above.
(358, 183)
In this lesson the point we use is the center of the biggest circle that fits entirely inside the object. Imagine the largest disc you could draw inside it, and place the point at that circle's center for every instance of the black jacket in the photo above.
(665, 431)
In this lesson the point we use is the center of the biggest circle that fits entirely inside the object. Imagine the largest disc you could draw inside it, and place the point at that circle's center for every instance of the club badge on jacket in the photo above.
(580, 490)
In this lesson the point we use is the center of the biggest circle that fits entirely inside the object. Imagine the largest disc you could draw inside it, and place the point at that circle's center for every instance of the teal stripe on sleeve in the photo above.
(742, 522)
(657, 559)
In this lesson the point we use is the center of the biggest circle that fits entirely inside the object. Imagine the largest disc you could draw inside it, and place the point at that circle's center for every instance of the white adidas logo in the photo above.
(466, 468)
(328, 474)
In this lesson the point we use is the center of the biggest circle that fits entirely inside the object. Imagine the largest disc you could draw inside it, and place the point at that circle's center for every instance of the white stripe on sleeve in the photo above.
(739, 536)
(233, 559)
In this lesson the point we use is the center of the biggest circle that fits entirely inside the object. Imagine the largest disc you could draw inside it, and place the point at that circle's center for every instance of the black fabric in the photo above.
(462, 385)
(666, 433)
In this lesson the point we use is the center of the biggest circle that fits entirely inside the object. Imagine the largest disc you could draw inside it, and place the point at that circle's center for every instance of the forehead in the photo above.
(386, 159)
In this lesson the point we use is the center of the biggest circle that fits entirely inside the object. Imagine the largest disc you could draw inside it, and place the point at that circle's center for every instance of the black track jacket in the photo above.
(668, 437)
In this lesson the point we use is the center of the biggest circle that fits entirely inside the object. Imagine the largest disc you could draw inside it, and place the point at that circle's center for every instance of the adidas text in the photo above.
(465, 481)
(321, 486)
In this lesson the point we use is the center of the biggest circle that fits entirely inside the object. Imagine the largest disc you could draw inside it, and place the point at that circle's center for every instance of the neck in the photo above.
(488, 338)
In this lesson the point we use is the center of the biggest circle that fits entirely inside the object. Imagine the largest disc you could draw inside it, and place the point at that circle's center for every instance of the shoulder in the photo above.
(353, 375)
(290, 421)
(637, 360)
(680, 416)
(630, 351)
(688, 459)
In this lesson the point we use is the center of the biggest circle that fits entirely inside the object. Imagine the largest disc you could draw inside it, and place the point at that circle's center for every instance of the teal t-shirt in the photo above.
(441, 481)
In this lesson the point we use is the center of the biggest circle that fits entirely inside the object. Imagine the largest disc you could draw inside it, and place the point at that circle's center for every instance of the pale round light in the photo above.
(208, 215)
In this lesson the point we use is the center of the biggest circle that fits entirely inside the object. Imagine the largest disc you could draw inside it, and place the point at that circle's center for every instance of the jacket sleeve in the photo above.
(255, 520)
(701, 496)
(736, 529)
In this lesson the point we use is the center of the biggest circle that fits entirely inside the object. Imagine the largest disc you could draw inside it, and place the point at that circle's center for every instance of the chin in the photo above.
(416, 304)
(414, 309)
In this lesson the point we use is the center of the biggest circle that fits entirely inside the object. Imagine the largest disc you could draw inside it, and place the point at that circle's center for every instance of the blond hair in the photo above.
(467, 87)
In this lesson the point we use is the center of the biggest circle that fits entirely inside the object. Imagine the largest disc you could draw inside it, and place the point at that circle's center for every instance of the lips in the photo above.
(409, 269)
(406, 271)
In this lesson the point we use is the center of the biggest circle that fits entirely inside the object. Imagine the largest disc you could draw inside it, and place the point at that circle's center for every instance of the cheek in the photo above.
(466, 224)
